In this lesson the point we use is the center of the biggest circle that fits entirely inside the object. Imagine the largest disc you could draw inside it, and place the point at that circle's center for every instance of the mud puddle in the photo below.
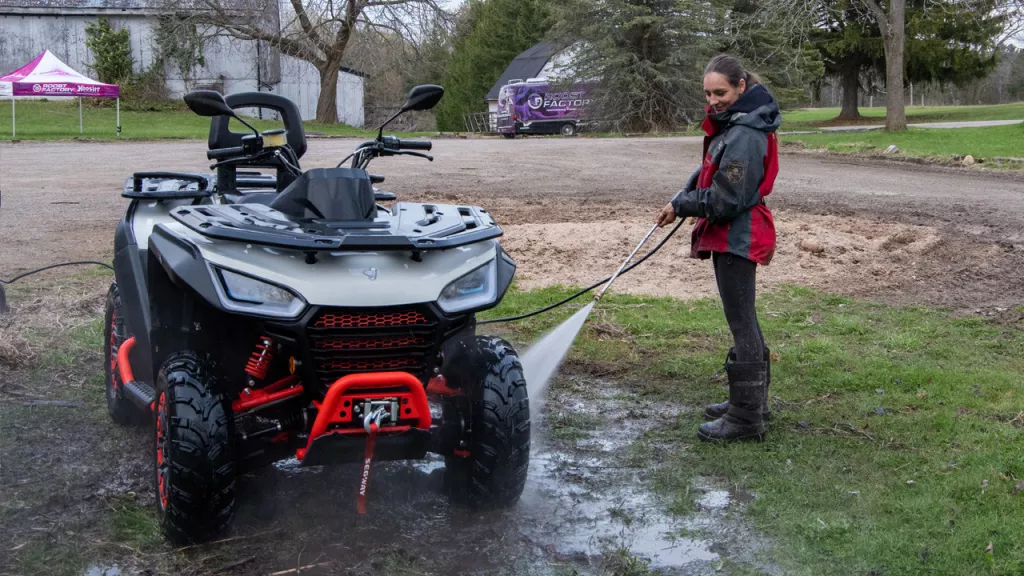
(586, 506)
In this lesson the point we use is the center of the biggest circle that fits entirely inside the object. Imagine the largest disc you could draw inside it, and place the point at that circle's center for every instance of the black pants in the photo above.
(736, 285)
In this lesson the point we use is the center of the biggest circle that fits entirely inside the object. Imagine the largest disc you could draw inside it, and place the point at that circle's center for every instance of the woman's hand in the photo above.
(666, 216)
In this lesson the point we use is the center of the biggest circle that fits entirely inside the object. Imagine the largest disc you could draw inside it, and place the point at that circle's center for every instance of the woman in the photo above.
(735, 229)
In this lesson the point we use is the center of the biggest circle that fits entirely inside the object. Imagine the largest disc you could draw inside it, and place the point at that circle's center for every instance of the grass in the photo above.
(37, 120)
(984, 143)
(922, 486)
(804, 118)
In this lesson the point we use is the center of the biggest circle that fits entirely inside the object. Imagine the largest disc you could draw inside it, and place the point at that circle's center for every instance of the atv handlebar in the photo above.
(414, 145)
(222, 153)
(392, 143)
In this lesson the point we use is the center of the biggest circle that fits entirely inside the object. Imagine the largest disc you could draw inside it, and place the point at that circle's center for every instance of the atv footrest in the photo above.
(348, 448)
(140, 394)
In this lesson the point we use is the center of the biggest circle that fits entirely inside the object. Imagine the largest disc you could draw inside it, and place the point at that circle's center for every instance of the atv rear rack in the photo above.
(417, 227)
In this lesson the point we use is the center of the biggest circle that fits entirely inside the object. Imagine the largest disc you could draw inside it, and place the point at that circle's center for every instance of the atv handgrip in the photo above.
(414, 145)
(221, 153)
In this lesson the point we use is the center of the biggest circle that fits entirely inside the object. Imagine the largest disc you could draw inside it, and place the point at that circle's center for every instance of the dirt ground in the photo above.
(571, 210)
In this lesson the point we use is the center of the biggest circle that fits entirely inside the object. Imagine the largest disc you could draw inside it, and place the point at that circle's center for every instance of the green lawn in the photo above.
(59, 121)
(994, 141)
(802, 118)
(897, 445)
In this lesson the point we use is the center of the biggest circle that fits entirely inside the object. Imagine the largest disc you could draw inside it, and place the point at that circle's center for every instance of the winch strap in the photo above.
(367, 460)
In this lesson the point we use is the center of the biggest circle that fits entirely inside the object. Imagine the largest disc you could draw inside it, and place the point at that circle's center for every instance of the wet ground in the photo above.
(588, 507)
(74, 487)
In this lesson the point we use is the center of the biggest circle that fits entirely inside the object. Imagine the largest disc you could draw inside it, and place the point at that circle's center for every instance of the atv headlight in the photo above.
(474, 290)
(246, 294)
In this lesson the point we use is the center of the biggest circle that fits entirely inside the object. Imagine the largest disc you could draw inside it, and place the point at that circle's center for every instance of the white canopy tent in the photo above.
(48, 76)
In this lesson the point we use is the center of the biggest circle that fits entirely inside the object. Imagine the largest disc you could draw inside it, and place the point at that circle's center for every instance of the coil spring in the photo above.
(259, 362)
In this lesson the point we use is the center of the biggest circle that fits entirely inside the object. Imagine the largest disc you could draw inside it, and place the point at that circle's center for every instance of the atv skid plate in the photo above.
(345, 420)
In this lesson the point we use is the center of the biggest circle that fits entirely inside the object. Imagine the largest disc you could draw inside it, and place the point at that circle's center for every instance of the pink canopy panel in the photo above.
(47, 75)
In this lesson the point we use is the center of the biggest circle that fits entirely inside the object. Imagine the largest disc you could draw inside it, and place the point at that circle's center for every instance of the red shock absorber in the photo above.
(259, 362)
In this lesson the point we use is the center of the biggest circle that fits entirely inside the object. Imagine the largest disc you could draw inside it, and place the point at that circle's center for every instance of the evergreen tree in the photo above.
(499, 30)
(648, 55)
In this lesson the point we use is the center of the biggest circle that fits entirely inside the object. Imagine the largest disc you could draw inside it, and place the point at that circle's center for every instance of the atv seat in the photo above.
(332, 194)
(258, 198)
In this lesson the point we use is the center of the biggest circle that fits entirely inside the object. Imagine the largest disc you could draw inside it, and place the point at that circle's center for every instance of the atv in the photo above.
(261, 313)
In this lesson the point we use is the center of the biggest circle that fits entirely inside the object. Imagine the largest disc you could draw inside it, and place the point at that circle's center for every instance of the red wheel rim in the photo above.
(114, 374)
(161, 450)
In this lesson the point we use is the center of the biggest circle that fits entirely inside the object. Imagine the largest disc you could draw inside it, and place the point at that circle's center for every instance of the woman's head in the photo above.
(725, 80)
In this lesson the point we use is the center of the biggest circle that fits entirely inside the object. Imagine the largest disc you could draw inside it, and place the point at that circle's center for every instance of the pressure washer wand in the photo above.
(619, 271)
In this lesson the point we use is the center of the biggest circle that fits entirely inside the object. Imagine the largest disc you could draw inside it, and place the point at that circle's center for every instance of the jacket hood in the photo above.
(756, 109)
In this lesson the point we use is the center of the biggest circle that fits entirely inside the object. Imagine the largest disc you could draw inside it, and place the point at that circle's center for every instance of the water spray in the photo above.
(543, 358)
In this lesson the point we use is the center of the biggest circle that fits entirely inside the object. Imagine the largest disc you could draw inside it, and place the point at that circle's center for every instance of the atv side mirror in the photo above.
(208, 103)
(423, 97)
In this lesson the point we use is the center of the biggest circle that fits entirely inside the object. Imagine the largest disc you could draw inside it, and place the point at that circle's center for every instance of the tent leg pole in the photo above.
(80, 115)
(118, 117)
(12, 117)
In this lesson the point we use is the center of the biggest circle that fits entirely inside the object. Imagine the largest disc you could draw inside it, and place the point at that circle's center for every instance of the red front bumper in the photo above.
(338, 413)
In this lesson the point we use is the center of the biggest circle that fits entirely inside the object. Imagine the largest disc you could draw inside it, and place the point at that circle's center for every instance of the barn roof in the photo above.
(526, 65)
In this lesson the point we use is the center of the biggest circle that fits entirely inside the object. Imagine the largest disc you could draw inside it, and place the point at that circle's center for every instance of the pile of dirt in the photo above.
(841, 254)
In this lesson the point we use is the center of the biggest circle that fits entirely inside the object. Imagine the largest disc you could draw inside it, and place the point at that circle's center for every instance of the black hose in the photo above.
(31, 272)
(585, 290)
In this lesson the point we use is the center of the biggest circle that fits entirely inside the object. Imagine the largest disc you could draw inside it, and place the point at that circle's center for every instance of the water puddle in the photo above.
(579, 507)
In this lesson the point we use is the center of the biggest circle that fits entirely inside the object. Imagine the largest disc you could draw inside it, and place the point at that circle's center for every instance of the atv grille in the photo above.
(381, 364)
(376, 320)
(345, 341)
(375, 343)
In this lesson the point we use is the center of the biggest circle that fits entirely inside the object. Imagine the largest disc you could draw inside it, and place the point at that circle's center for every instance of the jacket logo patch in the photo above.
(734, 172)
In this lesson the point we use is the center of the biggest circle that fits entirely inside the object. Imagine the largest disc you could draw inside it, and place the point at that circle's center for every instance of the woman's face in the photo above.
(720, 93)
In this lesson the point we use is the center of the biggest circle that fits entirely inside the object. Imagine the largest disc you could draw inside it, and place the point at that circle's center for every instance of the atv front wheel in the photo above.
(489, 468)
(193, 460)
(114, 334)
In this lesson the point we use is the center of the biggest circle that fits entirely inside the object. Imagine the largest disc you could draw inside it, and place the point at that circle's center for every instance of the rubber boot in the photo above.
(713, 411)
(743, 419)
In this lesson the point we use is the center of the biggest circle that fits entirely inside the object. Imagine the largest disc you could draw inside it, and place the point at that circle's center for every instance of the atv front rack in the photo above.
(409, 226)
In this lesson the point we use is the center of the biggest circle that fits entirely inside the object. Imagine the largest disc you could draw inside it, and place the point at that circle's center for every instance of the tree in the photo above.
(316, 31)
(492, 34)
(915, 40)
(784, 60)
(649, 56)
(891, 22)
(111, 52)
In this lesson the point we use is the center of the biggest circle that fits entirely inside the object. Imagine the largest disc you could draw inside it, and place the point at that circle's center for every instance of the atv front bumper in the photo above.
(343, 419)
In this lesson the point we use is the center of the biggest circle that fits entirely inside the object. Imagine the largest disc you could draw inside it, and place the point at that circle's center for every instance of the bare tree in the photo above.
(316, 31)
(891, 23)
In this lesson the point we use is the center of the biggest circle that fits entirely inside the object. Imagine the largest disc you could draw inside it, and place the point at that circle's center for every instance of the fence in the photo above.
(480, 122)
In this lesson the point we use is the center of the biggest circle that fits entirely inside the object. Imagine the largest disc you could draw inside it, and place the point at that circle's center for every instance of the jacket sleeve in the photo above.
(734, 187)
(691, 183)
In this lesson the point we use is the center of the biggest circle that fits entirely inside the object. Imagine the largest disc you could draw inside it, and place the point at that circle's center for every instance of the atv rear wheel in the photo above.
(114, 334)
(193, 460)
(489, 467)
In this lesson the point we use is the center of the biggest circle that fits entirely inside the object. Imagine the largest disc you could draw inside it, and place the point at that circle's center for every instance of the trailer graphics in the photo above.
(542, 108)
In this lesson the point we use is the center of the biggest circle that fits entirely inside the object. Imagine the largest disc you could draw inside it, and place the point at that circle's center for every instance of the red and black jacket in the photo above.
(741, 160)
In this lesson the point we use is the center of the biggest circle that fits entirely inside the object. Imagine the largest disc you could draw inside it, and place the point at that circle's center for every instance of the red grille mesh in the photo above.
(367, 364)
(345, 320)
(381, 343)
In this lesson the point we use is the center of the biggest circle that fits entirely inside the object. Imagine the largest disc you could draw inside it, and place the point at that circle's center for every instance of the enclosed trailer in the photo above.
(539, 106)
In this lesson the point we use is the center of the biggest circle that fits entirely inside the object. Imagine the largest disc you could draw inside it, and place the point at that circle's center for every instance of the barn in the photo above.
(27, 27)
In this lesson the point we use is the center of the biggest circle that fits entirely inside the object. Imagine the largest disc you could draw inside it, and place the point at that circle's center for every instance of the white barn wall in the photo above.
(230, 61)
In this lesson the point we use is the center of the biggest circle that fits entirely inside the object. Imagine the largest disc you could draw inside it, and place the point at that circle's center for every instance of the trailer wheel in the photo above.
(568, 129)
(509, 136)
(489, 469)
(193, 460)
(115, 332)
